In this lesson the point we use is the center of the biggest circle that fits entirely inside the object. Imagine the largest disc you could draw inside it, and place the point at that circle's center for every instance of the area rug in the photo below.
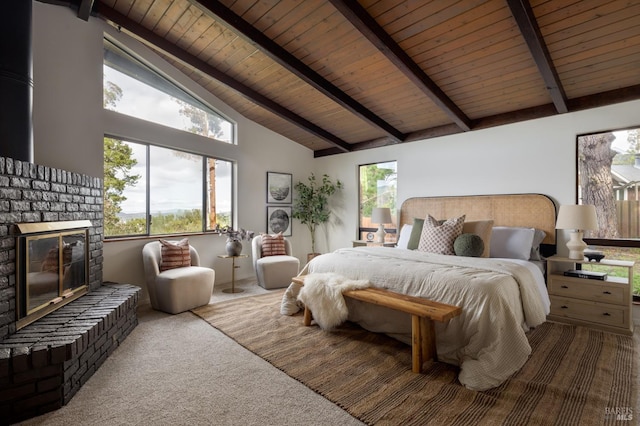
(575, 376)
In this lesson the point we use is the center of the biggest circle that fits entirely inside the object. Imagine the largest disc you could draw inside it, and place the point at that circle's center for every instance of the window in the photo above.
(377, 189)
(609, 178)
(134, 89)
(143, 196)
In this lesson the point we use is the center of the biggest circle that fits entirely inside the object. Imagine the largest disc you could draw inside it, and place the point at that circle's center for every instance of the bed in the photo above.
(501, 297)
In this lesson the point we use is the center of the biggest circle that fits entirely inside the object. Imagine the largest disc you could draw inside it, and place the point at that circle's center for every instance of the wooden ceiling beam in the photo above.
(523, 14)
(149, 37)
(368, 26)
(276, 52)
(625, 94)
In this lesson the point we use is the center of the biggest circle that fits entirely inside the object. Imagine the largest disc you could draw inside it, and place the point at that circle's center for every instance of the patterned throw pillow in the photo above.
(439, 238)
(174, 254)
(273, 245)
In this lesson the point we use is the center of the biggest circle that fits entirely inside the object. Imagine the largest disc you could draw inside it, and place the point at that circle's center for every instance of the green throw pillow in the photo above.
(416, 231)
(469, 245)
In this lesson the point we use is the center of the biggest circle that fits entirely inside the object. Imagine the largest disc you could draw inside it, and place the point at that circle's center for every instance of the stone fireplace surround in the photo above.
(45, 363)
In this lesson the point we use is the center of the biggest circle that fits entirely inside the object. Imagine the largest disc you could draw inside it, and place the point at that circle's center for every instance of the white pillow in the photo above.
(405, 234)
(511, 242)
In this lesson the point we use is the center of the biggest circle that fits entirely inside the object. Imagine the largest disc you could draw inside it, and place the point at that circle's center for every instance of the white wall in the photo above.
(69, 125)
(536, 156)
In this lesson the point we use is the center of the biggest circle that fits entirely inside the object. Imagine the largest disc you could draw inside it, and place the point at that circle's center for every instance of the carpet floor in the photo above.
(575, 375)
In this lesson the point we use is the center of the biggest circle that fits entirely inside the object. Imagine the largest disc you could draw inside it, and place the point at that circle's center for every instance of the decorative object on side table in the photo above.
(381, 215)
(234, 238)
(592, 255)
(579, 217)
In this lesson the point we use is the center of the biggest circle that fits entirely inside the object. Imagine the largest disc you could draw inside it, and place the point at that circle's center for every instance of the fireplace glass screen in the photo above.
(52, 269)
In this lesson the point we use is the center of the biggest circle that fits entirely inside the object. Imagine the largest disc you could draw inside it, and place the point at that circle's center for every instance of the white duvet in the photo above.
(500, 299)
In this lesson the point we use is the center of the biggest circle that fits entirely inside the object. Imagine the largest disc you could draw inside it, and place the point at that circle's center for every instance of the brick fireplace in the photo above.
(43, 364)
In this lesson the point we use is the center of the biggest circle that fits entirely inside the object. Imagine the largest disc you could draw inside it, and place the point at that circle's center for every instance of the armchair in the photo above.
(273, 270)
(179, 289)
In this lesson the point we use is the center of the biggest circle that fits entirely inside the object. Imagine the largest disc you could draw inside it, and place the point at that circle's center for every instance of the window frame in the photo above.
(394, 211)
(179, 88)
(204, 199)
(606, 242)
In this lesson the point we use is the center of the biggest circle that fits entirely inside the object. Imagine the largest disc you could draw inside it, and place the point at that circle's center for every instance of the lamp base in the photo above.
(380, 234)
(576, 246)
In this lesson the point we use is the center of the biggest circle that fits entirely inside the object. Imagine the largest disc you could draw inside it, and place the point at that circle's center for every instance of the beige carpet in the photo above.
(575, 376)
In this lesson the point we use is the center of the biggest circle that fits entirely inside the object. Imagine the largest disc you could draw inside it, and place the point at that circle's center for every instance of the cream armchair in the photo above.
(180, 289)
(273, 271)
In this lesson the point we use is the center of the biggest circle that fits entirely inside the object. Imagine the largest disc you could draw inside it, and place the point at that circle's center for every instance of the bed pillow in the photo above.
(481, 228)
(174, 254)
(511, 242)
(469, 245)
(273, 245)
(403, 239)
(438, 237)
(416, 231)
(538, 236)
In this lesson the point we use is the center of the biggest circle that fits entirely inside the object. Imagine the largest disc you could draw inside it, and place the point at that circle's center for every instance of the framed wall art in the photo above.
(279, 220)
(279, 188)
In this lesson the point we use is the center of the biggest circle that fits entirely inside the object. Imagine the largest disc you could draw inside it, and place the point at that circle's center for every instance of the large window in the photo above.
(377, 189)
(609, 178)
(154, 190)
(134, 89)
(150, 190)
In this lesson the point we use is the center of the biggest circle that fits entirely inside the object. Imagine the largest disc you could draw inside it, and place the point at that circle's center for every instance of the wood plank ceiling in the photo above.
(345, 75)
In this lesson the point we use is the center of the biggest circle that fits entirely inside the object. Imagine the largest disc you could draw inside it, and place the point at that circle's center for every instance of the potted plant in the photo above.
(311, 205)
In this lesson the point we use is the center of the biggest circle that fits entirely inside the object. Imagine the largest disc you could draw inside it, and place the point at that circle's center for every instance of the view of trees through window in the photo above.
(152, 190)
(378, 188)
(145, 94)
(609, 178)
(148, 198)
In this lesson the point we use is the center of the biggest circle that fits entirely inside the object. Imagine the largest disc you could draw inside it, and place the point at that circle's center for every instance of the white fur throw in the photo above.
(322, 294)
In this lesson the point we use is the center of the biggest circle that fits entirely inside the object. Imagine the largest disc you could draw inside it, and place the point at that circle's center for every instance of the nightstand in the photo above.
(361, 243)
(603, 304)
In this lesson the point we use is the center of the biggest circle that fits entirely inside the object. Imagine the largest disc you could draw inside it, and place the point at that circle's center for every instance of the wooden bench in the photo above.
(423, 312)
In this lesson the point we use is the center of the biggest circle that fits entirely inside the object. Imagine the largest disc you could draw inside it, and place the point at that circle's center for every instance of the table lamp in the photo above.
(578, 217)
(381, 215)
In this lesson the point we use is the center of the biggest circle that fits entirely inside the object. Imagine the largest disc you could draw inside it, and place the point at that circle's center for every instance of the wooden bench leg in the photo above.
(308, 316)
(423, 344)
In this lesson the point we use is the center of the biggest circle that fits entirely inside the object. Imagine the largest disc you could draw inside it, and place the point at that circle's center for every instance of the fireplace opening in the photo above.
(52, 267)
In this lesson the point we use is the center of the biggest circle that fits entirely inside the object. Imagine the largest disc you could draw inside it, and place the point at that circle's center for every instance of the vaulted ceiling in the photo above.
(345, 75)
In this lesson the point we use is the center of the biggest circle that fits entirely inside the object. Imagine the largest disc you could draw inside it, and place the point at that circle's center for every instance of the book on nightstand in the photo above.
(579, 273)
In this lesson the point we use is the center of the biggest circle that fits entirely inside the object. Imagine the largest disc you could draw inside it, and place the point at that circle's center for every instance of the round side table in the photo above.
(233, 288)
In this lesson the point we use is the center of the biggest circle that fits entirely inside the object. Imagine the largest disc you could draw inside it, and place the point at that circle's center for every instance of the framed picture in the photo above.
(279, 220)
(279, 188)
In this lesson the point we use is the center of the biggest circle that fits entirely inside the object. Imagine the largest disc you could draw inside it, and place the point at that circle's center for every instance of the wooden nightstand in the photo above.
(603, 304)
(360, 243)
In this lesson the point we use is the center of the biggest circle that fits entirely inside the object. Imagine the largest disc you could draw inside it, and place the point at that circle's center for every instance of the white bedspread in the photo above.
(500, 299)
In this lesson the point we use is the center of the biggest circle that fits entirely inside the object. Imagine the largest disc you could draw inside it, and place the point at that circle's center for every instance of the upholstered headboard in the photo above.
(530, 210)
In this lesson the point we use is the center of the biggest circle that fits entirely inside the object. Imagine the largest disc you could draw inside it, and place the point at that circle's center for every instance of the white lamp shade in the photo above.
(580, 216)
(381, 215)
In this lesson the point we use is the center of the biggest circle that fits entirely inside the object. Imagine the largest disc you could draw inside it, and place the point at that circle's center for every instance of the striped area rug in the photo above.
(575, 376)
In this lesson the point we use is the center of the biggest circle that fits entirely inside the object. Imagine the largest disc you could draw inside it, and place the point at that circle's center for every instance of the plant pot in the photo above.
(233, 248)
(312, 255)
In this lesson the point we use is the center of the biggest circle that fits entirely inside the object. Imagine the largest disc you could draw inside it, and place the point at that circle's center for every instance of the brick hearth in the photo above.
(45, 363)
